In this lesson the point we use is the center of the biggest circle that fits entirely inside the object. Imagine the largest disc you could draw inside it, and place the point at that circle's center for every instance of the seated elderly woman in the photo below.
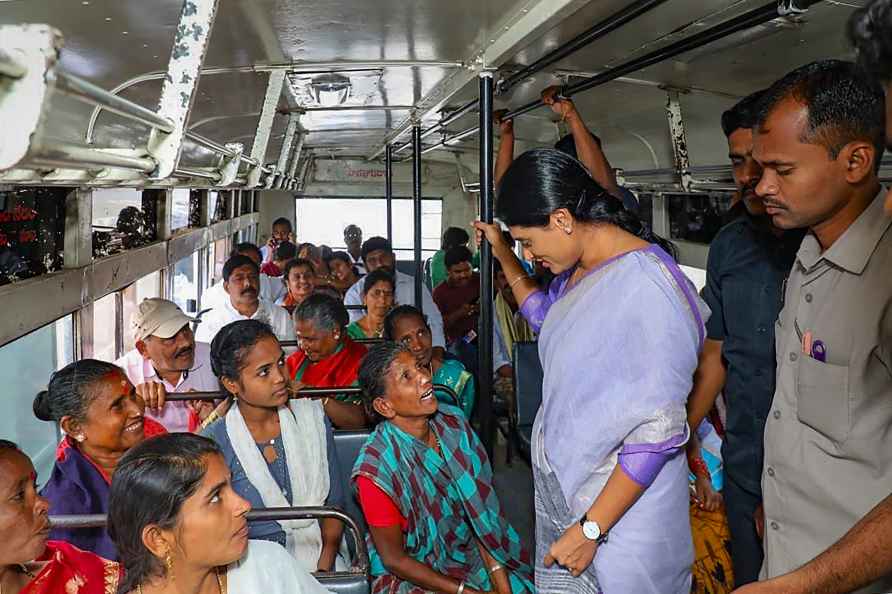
(29, 563)
(328, 358)
(181, 527)
(300, 281)
(408, 326)
(377, 295)
(425, 486)
(280, 449)
(101, 415)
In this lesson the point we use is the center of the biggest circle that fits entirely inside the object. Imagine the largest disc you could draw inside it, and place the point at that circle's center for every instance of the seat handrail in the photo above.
(83, 521)
(302, 393)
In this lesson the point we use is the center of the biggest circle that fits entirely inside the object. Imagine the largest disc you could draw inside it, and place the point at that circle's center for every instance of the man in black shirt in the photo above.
(748, 262)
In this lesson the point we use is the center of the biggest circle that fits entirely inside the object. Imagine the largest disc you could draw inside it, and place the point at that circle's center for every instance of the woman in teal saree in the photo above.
(425, 486)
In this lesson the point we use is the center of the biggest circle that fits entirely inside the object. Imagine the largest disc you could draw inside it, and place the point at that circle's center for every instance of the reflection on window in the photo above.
(105, 321)
(145, 288)
(322, 221)
(213, 200)
(185, 284)
(25, 368)
(696, 217)
(180, 211)
(119, 221)
(32, 221)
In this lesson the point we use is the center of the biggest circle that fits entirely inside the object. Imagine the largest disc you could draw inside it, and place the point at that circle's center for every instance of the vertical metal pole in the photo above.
(485, 321)
(388, 190)
(416, 202)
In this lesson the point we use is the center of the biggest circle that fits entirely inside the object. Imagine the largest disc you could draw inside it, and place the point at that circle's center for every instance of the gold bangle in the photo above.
(496, 568)
(517, 280)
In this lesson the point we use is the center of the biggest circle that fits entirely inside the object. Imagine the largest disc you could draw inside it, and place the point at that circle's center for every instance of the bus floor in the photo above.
(514, 485)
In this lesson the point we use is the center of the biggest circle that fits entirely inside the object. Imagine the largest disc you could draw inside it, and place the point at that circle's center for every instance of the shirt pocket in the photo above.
(823, 398)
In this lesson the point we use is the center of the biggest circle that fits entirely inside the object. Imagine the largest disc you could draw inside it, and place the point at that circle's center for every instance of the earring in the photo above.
(81, 438)
(567, 230)
(168, 563)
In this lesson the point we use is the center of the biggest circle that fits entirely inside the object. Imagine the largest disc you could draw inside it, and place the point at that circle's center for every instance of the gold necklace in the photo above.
(216, 573)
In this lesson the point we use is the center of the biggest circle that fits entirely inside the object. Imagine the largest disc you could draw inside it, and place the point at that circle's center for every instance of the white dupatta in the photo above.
(267, 569)
(303, 437)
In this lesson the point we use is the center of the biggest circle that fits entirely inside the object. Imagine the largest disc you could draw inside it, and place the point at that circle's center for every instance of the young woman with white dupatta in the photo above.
(280, 450)
(180, 528)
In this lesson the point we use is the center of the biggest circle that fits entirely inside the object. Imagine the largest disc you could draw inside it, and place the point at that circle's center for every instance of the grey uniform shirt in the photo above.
(828, 437)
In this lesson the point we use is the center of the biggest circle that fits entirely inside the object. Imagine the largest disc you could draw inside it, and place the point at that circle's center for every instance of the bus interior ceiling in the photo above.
(272, 99)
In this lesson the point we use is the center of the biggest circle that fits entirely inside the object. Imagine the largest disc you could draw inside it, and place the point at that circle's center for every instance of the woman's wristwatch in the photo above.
(592, 531)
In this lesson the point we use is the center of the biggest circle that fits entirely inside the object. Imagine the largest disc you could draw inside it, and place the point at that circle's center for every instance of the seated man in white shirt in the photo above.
(241, 280)
(166, 359)
(271, 289)
(377, 253)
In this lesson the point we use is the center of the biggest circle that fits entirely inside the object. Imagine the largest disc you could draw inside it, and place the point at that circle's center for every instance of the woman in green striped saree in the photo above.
(425, 486)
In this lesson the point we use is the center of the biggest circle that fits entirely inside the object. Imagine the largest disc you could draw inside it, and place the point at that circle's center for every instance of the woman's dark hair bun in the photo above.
(41, 406)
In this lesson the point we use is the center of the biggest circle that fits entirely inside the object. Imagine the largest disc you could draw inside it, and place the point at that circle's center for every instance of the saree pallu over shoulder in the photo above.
(454, 375)
(339, 369)
(619, 350)
(449, 503)
(69, 570)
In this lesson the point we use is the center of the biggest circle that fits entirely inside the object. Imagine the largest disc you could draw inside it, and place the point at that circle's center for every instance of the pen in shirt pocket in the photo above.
(816, 349)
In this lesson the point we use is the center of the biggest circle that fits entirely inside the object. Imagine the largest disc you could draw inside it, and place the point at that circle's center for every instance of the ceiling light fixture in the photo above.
(330, 89)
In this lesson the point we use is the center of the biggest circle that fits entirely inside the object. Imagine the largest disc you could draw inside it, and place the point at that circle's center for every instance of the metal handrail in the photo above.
(308, 392)
(89, 93)
(82, 521)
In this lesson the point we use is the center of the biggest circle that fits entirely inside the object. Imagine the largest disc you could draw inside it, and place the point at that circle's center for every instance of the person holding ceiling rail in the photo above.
(610, 474)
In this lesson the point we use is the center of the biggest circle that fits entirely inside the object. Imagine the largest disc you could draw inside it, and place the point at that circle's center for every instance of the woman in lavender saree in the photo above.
(621, 330)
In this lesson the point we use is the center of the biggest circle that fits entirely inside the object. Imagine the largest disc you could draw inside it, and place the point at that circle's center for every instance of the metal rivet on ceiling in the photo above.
(86, 3)
(124, 32)
(107, 19)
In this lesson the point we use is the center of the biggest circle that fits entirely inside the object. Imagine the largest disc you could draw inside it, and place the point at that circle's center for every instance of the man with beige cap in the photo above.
(168, 360)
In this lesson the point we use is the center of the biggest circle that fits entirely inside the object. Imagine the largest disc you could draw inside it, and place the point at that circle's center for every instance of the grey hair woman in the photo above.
(328, 357)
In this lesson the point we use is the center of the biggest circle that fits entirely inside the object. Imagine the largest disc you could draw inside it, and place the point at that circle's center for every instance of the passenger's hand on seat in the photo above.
(572, 551)
(201, 407)
(153, 394)
(294, 387)
(561, 106)
(506, 127)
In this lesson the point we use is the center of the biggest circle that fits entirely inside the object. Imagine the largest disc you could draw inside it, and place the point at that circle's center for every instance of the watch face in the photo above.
(591, 530)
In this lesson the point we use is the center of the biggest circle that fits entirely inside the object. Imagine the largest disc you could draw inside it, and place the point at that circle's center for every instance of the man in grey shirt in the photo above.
(828, 438)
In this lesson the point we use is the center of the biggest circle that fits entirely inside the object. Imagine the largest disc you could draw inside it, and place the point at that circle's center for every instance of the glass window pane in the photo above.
(696, 217)
(32, 221)
(25, 368)
(322, 221)
(105, 321)
(221, 254)
(185, 284)
(145, 288)
(119, 221)
(180, 210)
(212, 204)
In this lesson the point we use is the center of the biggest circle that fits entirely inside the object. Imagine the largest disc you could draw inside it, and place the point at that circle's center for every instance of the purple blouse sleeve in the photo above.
(643, 462)
(535, 307)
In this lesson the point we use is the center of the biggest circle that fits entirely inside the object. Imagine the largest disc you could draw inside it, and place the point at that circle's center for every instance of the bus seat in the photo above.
(348, 444)
(528, 391)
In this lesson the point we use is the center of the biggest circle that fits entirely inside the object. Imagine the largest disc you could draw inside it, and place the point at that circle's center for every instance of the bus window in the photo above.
(25, 368)
(119, 221)
(105, 323)
(180, 211)
(31, 225)
(696, 217)
(322, 221)
(145, 288)
(184, 291)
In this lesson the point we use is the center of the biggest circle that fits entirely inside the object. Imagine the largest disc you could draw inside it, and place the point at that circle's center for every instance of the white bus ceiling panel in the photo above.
(384, 29)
